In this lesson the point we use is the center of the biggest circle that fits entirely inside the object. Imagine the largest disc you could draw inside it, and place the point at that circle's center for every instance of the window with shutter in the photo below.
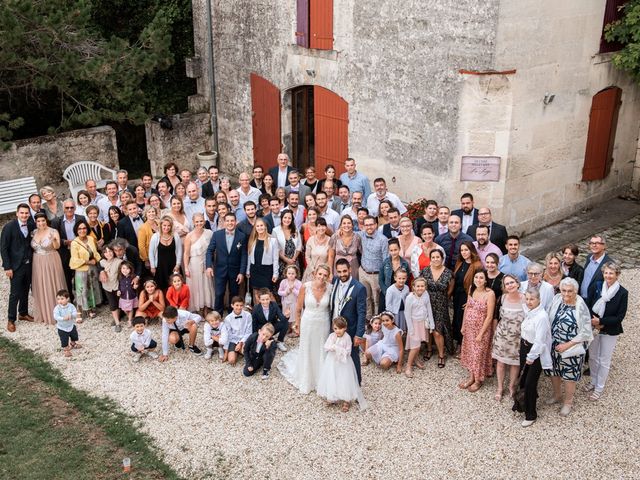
(314, 24)
(331, 129)
(612, 12)
(603, 120)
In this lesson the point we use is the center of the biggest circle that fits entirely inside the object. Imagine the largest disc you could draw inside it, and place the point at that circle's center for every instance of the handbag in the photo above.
(574, 351)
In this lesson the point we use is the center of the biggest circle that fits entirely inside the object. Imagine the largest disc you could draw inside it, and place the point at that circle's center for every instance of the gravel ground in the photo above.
(209, 421)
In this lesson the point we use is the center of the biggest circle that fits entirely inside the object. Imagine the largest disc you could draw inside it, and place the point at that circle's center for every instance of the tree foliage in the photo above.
(56, 59)
(627, 32)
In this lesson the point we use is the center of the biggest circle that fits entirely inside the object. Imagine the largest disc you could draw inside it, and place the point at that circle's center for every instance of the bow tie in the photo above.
(136, 219)
(193, 202)
(238, 316)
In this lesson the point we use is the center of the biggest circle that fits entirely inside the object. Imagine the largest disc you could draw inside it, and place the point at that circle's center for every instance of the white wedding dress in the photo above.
(301, 366)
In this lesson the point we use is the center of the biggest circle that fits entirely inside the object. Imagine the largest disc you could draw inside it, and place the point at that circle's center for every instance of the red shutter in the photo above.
(302, 23)
(603, 121)
(612, 13)
(331, 125)
(265, 112)
(321, 21)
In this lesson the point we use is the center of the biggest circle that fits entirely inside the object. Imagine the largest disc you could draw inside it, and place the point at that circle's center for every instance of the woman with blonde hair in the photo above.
(51, 205)
(146, 231)
(165, 253)
(195, 249)
(263, 261)
(553, 270)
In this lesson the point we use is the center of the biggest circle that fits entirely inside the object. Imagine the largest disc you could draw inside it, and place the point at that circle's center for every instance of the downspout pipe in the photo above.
(212, 85)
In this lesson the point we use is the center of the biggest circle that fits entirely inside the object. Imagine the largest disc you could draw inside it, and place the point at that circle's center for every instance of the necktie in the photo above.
(451, 251)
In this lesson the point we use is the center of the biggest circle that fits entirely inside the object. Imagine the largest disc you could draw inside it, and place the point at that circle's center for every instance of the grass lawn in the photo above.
(49, 430)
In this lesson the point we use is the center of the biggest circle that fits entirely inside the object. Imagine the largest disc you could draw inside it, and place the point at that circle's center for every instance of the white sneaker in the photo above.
(137, 357)
(220, 353)
(207, 356)
(565, 410)
(551, 401)
(528, 423)
(282, 347)
(153, 355)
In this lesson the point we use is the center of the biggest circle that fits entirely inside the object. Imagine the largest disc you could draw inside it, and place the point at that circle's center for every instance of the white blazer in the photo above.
(153, 249)
(268, 258)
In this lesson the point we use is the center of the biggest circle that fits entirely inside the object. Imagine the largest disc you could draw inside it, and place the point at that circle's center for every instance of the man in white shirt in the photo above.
(122, 177)
(331, 216)
(467, 212)
(381, 193)
(356, 203)
(194, 203)
(534, 280)
(175, 324)
(91, 187)
(164, 193)
(443, 220)
(111, 200)
(246, 192)
(294, 206)
(280, 173)
(211, 214)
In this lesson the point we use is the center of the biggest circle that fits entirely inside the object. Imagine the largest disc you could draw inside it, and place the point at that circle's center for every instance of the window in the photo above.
(314, 25)
(603, 120)
(612, 12)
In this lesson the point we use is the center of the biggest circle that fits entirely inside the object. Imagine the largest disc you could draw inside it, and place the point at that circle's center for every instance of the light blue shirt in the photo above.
(59, 314)
(357, 183)
(589, 271)
(229, 240)
(517, 267)
(374, 250)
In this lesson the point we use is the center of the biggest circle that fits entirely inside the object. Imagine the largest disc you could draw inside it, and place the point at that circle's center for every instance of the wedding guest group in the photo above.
(336, 262)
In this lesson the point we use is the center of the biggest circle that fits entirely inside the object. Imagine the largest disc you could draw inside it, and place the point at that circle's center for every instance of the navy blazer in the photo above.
(355, 310)
(275, 315)
(15, 248)
(593, 292)
(227, 264)
(251, 357)
(614, 311)
(274, 173)
(268, 220)
(127, 231)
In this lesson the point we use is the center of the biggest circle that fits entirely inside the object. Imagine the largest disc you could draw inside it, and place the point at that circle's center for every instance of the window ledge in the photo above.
(599, 58)
(296, 49)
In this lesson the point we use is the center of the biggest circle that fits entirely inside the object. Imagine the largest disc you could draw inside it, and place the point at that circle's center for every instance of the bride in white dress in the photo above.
(301, 366)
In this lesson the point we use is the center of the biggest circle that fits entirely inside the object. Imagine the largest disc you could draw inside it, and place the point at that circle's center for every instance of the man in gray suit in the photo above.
(296, 186)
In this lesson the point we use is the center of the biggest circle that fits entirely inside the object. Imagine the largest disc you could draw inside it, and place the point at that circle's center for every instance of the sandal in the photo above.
(595, 396)
(498, 397)
(92, 314)
(474, 387)
(465, 384)
(427, 355)
(67, 353)
(420, 366)
(408, 373)
(441, 362)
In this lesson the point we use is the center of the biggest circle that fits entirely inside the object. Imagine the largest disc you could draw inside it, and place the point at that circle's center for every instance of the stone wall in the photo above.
(189, 136)
(395, 64)
(46, 158)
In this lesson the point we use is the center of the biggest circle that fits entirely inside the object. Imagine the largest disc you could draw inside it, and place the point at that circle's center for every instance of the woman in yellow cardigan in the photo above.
(146, 231)
(84, 258)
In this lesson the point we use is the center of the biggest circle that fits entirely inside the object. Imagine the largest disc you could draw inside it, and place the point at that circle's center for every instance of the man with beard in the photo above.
(483, 245)
(467, 212)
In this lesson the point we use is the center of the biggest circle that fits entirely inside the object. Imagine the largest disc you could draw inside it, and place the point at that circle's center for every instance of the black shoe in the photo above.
(195, 350)
(180, 344)
(587, 372)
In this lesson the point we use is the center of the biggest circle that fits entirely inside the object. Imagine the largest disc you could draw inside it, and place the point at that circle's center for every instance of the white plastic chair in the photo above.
(78, 173)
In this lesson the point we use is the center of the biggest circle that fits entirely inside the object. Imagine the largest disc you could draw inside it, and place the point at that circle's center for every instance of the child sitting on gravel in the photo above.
(141, 341)
(373, 335)
(212, 331)
(64, 313)
(259, 352)
(175, 324)
(390, 349)
(237, 328)
(178, 294)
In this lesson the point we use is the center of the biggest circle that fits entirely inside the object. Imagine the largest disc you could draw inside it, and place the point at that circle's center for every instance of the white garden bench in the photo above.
(15, 191)
(78, 173)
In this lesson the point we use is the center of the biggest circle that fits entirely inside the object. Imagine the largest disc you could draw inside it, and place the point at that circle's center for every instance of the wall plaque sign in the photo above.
(480, 169)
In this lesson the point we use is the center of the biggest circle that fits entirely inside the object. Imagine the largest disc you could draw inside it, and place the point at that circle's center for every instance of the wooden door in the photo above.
(302, 23)
(321, 24)
(603, 120)
(331, 129)
(265, 119)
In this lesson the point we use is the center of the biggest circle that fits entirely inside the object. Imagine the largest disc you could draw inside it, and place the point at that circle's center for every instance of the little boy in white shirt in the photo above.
(237, 328)
(212, 332)
(141, 341)
(175, 324)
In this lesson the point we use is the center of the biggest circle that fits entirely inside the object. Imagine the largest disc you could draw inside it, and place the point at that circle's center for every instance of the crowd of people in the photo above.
(331, 261)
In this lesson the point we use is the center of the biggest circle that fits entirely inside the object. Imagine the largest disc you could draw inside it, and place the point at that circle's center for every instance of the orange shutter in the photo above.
(603, 121)
(331, 125)
(265, 112)
(321, 22)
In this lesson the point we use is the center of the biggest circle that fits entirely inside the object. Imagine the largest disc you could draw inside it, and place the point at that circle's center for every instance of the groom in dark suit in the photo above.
(349, 300)
(15, 245)
(230, 261)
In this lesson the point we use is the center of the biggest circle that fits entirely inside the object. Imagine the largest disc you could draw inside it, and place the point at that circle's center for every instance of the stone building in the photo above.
(410, 88)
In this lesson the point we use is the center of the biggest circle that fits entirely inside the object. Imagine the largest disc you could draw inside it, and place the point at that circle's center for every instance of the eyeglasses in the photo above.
(69, 208)
(506, 284)
(596, 243)
(534, 274)
(484, 213)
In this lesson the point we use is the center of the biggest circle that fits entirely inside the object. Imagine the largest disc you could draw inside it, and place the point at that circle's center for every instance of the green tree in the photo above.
(54, 59)
(626, 31)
